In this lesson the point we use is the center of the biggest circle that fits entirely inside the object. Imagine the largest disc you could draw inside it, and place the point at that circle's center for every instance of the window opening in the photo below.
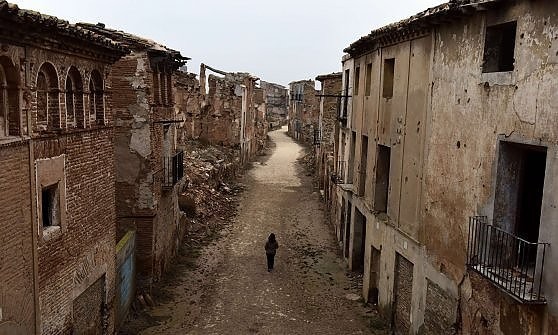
(382, 178)
(368, 84)
(499, 48)
(519, 189)
(70, 110)
(50, 208)
(389, 75)
(357, 80)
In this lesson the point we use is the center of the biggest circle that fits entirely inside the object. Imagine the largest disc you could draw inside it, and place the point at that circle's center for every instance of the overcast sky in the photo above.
(278, 41)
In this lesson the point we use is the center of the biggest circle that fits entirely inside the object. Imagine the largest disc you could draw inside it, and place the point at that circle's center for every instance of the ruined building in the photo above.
(447, 200)
(57, 265)
(328, 130)
(303, 111)
(148, 164)
(229, 112)
(277, 103)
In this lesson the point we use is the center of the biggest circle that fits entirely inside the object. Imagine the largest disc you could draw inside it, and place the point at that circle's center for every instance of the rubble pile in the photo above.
(207, 196)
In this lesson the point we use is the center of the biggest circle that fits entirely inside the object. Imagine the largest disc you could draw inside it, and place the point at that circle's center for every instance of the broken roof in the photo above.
(419, 22)
(132, 41)
(48, 24)
(333, 75)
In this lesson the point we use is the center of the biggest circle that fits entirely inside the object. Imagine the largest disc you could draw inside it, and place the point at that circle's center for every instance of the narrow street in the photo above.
(229, 291)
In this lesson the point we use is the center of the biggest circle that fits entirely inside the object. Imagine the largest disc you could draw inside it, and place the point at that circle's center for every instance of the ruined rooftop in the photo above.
(333, 75)
(11, 13)
(417, 24)
(132, 41)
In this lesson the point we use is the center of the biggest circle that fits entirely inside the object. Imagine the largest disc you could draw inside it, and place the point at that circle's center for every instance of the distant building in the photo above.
(447, 169)
(230, 113)
(303, 110)
(277, 103)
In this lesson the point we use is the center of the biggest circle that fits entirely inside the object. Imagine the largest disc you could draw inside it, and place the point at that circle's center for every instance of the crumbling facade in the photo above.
(148, 164)
(277, 103)
(230, 113)
(328, 129)
(446, 168)
(57, 269)
(303, 111)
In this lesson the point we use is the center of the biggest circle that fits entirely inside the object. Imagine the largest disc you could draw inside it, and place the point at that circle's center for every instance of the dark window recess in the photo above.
(368, 83)
(389, 74)
(50, 206)
(499, 48)
(383, 161)
(357, 80)
(346, 93)
(173, 169)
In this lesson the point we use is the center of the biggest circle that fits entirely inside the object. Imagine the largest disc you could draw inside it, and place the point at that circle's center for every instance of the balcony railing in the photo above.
(512, 263)
(173, 169)
(338, 176)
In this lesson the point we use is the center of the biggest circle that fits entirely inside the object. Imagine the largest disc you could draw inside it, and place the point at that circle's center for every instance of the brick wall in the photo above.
(84, 251)
(16, 254)
(88, 310)
(402, 295)
(440, 311)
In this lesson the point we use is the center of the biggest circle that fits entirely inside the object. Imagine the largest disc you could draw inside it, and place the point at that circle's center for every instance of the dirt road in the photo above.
(229, 290)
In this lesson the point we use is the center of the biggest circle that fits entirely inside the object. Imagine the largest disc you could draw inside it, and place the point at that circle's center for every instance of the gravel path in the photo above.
(229, 291)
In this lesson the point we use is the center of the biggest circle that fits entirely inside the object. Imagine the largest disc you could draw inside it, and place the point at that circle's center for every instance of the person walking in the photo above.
(270, 249)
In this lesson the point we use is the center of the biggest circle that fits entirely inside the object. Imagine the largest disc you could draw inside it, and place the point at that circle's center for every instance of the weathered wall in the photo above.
(231, 113)
(143, 142)
(471, 112)
(88, 234)
(443, 124)
(16, 245)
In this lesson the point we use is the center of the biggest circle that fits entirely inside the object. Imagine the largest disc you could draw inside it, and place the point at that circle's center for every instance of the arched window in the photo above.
(10, 119)
(48, 109)
(74, 99)
(70, 112)
(96, 99)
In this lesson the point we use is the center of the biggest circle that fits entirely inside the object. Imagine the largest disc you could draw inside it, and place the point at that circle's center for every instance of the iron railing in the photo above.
(338, 176)
(512, 263)
(173, 169)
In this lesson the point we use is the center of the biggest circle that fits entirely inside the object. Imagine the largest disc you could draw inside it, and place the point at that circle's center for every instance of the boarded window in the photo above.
(499, 48)
(389, 74)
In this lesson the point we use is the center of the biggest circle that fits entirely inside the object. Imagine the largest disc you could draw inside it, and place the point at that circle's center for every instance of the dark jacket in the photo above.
(271, 247)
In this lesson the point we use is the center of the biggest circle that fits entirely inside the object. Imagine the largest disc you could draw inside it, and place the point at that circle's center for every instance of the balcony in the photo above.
(338, 176)
(513, 264)
(173, 169)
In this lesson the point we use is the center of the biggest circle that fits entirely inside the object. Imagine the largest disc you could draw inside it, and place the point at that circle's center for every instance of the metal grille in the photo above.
(512, 263)
(173, 169)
